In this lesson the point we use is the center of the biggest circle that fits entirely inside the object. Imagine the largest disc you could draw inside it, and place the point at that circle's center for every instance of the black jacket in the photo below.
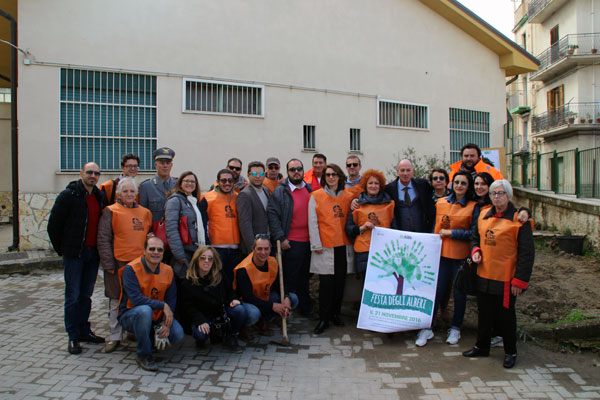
(67, 224)
(202, 303)
(424, 191)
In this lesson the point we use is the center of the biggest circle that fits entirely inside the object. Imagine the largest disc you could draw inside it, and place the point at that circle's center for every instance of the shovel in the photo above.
(284, 337)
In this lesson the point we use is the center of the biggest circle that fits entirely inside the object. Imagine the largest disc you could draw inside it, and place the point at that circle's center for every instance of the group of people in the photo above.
(178, 261)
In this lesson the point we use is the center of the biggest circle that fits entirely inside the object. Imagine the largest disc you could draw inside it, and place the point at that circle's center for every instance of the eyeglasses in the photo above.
(438, 178)
(254, 173)
(131, 166)
(296, 169)
(352, 165)
(232, 168)
(460, 183)
(497, 194)
(330, 174)
(273, 166)
(95, 173)
(206, 258)
(190, 181)
(157, 249)
(264, 236)
(226, 180)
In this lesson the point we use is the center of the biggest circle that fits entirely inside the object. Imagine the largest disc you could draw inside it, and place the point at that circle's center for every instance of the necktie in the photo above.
(406, 196)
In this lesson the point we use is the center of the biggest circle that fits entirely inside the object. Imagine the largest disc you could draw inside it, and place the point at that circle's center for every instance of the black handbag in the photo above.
(466, 279)
(220, 327)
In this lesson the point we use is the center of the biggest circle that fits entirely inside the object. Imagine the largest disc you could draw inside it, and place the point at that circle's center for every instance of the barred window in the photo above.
(223, 98)
(354, 139)
(104, 115)
(468, 126)
(309, 137)
(402, 115)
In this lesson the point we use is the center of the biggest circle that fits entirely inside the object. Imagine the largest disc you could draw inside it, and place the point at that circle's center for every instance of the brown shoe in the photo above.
(111, 346)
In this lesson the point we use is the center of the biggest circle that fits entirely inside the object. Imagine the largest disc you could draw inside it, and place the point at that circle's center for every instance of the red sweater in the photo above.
(299, 226)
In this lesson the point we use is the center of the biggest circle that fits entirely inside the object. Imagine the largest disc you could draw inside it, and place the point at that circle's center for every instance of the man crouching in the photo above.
(147, 302)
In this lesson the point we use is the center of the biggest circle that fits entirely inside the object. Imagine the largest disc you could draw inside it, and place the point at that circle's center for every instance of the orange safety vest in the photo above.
(309, 177)
(499, 247)
(222, 218)
(153, 286)
(453, 216)
(261, 281)
(271, 184)
(479, 167)
(331, 214)
(130, 227)
(380, 215)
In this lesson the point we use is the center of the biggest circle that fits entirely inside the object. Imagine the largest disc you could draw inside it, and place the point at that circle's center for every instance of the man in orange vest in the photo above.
(273, 176)
(130, 164)
(473, 163)
(313, 175)
(148, 298)
(257, 284)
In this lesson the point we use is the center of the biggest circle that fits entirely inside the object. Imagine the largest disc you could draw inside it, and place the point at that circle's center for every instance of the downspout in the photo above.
(14, 129)
(594, 67)
(511, 80)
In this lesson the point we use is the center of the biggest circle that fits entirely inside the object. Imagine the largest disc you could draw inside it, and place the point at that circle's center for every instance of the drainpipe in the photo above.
(14, 129)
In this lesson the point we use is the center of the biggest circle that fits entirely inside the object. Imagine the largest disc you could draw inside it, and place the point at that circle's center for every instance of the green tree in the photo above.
(423, 163)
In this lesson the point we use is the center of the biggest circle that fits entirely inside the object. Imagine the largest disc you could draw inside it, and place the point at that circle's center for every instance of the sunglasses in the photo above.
(273, 166)
(232, 168)
(262, 236)
(158, 249)
(330, 174)
(296, 169)
(95, 173)
(226, 180)
(352, 165)
(206, 258)
(438, 178)
(254, 173)
(460, 183)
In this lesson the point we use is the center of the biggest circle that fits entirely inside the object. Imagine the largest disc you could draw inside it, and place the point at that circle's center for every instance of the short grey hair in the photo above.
(125, 180)
(504, 184)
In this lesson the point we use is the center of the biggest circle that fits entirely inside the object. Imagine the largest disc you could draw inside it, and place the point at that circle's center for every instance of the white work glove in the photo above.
(160, 343)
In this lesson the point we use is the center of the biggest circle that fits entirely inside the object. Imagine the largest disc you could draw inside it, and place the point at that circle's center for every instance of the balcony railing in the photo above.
(583, 44)
(535, 6)
(573, 113)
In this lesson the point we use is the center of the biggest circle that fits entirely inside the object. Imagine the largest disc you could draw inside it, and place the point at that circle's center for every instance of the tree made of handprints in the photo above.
(403, 263)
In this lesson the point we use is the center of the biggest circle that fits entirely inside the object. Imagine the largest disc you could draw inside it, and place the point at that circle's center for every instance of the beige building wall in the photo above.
(321, 63)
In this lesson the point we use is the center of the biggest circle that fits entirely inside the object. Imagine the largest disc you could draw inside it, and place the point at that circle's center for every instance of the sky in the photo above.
(498, 13)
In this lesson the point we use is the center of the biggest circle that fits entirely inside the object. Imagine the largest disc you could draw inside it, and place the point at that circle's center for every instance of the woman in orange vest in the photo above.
(376, 209)
(503, 249)
(331, 249)
(122, 232)
(455, 220)
(206, 294)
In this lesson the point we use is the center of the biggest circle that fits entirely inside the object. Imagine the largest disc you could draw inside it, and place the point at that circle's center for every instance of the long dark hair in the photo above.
(470, 195)
(488, 179)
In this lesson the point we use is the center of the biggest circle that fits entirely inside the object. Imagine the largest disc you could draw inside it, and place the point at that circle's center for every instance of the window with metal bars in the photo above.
(402, 115)
(354, 139)
(468, 126)
(223, 98)
(308, 137)
(104, 115)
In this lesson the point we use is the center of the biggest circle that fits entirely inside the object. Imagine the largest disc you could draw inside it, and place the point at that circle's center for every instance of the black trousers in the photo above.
(296, 273)
(331, 287)
(492, 314)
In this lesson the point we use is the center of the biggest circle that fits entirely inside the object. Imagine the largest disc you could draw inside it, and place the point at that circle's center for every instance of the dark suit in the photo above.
(252, 216)
(424, 199)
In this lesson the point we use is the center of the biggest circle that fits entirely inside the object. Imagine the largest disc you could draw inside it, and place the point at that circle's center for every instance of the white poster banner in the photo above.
(401, 279)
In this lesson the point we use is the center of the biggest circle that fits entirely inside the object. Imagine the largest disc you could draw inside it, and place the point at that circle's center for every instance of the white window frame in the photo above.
(380, 125)
(211, 82)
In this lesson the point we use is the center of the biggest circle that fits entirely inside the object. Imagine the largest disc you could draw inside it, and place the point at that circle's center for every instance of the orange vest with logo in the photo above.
(261, 281)
(499, 247)
(453, 216)
(153, 286)
(380, 215)
(222, 218)
(271, 184)
(479, 167)
(331, 214)
(130, 227)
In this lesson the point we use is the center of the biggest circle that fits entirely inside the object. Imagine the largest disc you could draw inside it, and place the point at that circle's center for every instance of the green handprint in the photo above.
(402, 263)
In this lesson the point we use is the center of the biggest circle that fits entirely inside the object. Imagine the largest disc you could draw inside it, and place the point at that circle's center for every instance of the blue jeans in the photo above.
(238, 317)
(296, 273)
(254, 313)
(80, 278)
(139, 321)
(230, 258)
(447, 274)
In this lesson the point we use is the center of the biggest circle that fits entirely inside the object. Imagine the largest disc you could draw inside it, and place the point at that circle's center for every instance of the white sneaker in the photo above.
(497, 342)
(423, 336)
(453, 336)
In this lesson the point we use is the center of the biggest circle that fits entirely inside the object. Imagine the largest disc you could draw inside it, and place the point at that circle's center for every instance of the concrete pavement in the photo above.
(344, 363)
